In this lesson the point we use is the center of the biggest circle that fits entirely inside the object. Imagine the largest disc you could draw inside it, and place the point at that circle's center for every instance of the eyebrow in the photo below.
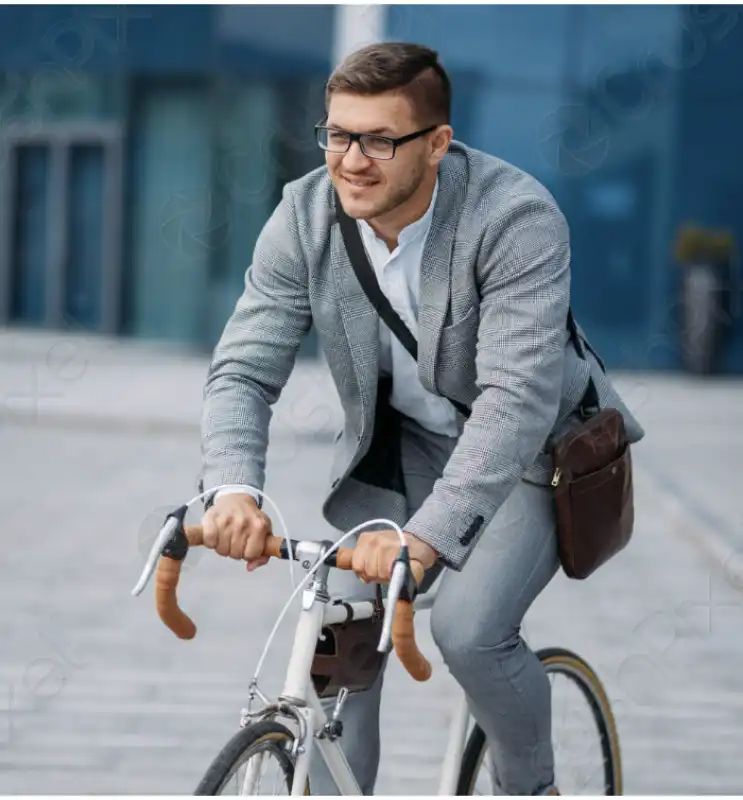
(374, 131)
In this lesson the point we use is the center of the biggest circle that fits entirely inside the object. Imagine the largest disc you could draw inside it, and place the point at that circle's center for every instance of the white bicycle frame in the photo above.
(299, 695)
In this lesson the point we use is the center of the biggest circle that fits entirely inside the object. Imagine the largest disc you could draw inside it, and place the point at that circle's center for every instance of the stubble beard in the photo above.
(400, 195)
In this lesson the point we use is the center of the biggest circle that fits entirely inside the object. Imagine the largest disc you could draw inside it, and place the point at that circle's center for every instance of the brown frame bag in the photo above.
(346, 655)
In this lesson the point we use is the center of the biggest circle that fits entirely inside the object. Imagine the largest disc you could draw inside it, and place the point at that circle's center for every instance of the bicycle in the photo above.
(291, 727)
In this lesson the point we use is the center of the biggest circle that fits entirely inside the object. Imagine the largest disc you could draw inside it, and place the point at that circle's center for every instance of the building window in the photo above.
(60, 225)
(28, 239)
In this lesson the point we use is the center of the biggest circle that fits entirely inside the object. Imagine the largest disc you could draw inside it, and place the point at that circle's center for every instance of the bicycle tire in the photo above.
(565, 662)
(237, 750)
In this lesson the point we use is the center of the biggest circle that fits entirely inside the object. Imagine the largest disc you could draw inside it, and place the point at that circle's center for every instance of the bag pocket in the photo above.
(600, 518)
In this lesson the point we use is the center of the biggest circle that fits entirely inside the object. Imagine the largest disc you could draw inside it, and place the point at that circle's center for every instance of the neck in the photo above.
(388, 226)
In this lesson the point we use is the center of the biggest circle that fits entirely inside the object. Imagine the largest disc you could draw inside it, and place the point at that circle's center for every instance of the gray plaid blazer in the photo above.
(495, 288)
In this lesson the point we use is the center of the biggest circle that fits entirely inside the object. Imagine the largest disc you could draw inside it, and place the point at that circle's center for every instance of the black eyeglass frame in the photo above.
(357, 137)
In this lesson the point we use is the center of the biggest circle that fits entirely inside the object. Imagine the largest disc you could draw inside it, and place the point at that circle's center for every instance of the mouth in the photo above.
(359, 183)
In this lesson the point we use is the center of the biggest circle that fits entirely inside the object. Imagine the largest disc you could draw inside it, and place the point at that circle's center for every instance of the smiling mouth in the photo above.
(359, 184)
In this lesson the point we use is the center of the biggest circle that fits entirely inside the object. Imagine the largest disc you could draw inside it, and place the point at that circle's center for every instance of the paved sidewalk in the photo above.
(97, 697)
(107, 383)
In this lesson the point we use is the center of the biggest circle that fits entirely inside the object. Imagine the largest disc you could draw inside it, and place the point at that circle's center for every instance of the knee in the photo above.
(465, 639)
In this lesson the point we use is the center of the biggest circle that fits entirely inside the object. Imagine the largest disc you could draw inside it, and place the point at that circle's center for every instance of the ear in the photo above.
(440, 141)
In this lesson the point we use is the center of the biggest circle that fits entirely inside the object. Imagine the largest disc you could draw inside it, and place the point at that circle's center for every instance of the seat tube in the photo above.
(452, 764)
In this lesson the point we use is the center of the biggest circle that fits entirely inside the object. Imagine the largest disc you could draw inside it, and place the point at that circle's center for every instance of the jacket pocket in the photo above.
(461, 331)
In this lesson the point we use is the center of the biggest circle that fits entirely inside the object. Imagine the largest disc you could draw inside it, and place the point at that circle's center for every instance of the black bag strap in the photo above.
(368, 280)
(369, 283)
(589, 403)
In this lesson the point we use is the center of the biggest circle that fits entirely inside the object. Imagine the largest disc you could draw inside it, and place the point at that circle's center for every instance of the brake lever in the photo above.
(402, 586)
(171, 541)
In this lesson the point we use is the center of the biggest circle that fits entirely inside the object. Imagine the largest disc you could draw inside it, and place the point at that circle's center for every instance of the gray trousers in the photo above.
(476, 622)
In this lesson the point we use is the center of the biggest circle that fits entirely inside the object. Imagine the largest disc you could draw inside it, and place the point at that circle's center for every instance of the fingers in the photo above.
(237, 528)
(364, 559)
(374, 556)
(376, 568)
(219, 526)
(358, 559)
(229, 528)
(257, 531)
(210, 527)
(418, 570)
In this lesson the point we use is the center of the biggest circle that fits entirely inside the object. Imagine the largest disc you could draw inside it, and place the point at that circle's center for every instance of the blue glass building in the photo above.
(142, 149)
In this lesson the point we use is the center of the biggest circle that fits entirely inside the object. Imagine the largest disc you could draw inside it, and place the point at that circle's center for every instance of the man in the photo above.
(474, 255)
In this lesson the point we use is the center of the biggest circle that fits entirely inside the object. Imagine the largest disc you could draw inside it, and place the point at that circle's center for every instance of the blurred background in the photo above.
(142, 148)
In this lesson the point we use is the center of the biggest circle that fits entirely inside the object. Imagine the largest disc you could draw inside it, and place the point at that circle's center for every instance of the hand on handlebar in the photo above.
(234, 526)
(375, 554)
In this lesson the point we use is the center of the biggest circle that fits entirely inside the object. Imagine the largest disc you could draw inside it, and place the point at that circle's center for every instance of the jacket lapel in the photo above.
(435, 274)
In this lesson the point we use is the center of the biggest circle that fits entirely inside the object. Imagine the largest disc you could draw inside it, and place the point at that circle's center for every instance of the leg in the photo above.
(424, 455)
(476, 623)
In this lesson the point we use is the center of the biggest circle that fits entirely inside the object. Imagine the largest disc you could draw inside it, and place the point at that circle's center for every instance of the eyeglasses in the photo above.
(372, 145)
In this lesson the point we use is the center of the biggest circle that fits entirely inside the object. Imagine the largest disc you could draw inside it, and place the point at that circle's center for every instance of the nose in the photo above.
(354, 159)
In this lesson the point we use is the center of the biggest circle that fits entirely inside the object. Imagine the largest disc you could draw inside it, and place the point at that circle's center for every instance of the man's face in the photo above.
(370, 187)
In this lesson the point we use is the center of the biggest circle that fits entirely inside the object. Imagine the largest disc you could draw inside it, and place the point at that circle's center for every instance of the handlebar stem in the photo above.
(320, 581)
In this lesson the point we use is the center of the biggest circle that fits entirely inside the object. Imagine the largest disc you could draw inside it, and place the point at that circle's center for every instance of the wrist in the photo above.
(421, 551)
(238, 489)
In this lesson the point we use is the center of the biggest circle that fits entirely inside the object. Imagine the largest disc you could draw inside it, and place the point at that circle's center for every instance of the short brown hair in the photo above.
(411, 69)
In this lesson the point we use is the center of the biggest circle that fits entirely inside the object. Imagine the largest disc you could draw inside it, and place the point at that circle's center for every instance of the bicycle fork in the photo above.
(329, 749)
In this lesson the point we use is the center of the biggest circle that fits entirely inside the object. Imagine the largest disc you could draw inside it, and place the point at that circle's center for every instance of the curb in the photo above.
(87, 423)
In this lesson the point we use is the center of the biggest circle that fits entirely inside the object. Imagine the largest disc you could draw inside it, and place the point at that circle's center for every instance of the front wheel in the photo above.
(256, 761)
(584, 735)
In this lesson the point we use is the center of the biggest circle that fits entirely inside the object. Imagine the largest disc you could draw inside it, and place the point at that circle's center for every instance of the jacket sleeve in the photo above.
(524, 297)
(255, 355)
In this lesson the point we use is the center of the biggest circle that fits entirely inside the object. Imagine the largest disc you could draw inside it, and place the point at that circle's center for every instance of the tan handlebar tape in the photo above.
(166, 600)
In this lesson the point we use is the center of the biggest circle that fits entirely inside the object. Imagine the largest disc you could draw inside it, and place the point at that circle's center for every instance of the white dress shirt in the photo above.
(398, 273)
